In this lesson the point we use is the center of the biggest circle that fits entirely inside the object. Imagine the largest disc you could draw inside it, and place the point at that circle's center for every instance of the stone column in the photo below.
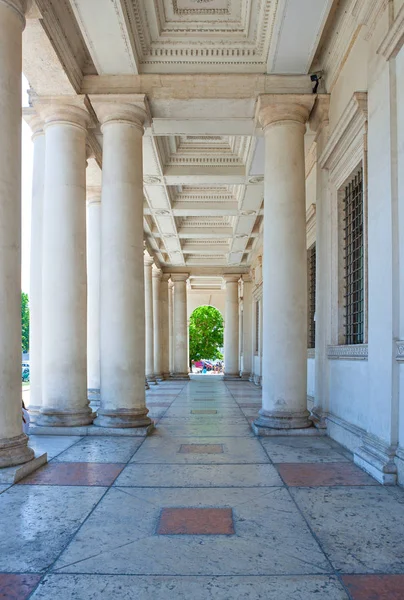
(164, 326)
(149, 320)
(284, 361)
(180, 357)
(35, 293)
(93, 292)
(13, 443)
(231, 328)
(157, 349)
(247, 327)
(171, 326)
(64, 277)
(122, 320)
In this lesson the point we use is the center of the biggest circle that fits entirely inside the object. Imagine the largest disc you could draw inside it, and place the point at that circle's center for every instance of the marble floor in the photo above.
(200, 510)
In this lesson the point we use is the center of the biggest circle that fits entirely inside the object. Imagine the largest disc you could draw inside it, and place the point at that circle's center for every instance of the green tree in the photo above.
(205, 333)
(24, 322)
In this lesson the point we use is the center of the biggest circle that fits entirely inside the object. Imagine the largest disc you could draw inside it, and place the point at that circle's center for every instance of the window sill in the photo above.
(348, 352)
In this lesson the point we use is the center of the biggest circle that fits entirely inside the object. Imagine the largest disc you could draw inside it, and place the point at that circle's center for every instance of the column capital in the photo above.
(231, 277)
(132, 109)
(33, 120)
(247, 278)
(319, 114)
(93, 195)
(18, 6)
(277, 108)
(70, 110)
(165, 277)
(156, 273)
(148, 260)
(175, 277)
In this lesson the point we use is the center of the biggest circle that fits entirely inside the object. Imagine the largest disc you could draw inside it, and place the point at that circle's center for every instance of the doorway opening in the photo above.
(206, 341)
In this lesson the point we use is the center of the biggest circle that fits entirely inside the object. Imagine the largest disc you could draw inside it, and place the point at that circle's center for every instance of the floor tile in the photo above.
(318, 474)
(37, 522)
(196, 521)
(360, 528)
(162, 449)
(139, 475)
(300, 449)
(52, 444)
(375, 587)
(101, 450)
(17, 586)
(118, 587)
(196, 426)
(119, 536)
(62, 474)
(204, 412)
(201, 448)
(4, 487)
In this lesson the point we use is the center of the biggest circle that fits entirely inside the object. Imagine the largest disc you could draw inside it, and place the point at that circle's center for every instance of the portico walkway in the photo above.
(201, 509)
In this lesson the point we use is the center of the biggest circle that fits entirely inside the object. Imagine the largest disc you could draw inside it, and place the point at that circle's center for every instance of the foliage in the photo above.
(205, 334)
(25, 322)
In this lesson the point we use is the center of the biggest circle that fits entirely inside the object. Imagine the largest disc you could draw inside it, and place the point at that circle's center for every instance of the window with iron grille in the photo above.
(354, 307)
(311, 288)
(257, 326)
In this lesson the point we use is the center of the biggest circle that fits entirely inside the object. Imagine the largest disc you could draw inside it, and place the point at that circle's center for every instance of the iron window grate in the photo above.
(311, 270)
(354, 261)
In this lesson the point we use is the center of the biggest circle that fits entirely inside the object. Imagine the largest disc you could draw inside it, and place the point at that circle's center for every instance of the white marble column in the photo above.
(35, 293)
(13, 443)
(164, 324)
(64, 277)
(149, 319)
(171, 326)
(122, 319)
(157, 348)
(284, 362)
(231, 328)
(180, 351)
(247, 327)
(93, 292)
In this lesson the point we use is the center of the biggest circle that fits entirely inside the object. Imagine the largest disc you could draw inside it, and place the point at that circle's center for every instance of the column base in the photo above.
(283, 420)
(231, 377)
(166, 375)
(33, 411)
(377, 458)
(179, 376)
(159, 377)
(93, 394)
(146, 385)
(123, 418)
(15, 451)
(318, 418)
(244, 376)
(151, 379)
(54, 417)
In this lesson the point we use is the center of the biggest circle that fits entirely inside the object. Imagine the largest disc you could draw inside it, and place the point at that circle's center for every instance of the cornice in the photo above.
(231, 277)
(394, 40)
(352, 120)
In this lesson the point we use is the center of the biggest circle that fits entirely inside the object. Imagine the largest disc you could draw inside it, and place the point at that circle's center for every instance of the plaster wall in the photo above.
(214, 298)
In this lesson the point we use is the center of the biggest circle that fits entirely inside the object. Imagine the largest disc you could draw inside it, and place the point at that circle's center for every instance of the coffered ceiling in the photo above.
(200, 65)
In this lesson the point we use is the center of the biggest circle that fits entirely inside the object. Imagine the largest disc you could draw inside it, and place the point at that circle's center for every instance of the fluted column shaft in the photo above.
(157, 349)
(180, 326)
(122, 322)
(284, 362)
(93, 292)
(13, 443)
(149, 319)
(231, 327)
(64, 277)
(164, 326)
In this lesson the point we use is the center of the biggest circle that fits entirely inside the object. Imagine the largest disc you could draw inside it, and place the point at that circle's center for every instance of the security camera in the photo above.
(316, 77)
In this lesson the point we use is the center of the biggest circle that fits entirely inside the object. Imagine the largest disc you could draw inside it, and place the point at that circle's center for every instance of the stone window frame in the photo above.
(344, 154)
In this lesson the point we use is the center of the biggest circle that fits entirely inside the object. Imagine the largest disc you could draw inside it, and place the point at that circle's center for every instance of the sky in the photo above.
(26, 191)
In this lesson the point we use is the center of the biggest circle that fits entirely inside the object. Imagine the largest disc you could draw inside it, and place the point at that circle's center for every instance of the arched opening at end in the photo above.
(206, 328)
